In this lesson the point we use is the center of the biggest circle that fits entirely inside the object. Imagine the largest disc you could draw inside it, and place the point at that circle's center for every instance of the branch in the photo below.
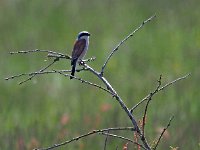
(59, 55)
(41, 73)
(123, 41)
(85, 135)
(163, 132)
(149, 99)
(160, 89)
(43, 51)
(84, 81)
(123, 138)
(109, 89)
(41, 70)
(105, 143)
(51, 54)
(121, 102)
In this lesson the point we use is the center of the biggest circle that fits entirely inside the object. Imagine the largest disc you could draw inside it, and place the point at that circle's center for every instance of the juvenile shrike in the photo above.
(80, 48)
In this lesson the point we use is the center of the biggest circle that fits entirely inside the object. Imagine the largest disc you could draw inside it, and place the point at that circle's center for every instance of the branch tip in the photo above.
(172, 117)
(123, 41)
(158, 89)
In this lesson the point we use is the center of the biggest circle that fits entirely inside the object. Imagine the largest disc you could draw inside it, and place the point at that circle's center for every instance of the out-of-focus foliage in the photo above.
(51, 108)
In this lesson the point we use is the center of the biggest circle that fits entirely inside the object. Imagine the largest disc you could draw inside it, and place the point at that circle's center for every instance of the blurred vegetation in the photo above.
(50, 109)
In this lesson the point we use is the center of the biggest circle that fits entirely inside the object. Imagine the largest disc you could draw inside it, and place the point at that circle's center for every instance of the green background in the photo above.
(51, 108)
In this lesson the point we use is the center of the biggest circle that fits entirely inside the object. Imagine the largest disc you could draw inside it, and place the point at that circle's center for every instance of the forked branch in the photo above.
(159, 89)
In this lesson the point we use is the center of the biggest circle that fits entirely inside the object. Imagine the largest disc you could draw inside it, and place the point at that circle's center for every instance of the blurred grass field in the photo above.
(50, 109)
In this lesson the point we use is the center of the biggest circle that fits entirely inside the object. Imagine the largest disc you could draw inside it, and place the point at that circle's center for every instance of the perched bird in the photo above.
(80, 48)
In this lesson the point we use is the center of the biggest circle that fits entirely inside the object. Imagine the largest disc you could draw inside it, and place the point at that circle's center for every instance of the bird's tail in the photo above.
(73, 63)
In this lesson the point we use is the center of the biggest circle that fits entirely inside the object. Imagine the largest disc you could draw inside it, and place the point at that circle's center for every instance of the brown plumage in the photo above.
(77, 53)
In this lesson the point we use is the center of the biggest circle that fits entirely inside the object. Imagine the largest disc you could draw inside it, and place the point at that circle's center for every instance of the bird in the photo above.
(79, 50)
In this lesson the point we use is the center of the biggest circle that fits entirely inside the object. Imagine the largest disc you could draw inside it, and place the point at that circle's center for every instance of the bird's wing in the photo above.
(78, 48)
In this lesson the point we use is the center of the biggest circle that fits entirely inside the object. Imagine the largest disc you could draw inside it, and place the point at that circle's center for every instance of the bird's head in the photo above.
(83, 34)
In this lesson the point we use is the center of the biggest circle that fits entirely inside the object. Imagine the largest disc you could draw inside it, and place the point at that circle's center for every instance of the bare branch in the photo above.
(43, 51)
(84, 81)
(162, 88)
(105, 143)
(123, 138)
(109, 89)
(60, 55)
(89, 59)
(41, 70)
(163, 132)
(85, 135)
(121, 102)
(50, 54)
(41, 73)
(123, 41)
(117, 148)
(32, 73)
(149, 99)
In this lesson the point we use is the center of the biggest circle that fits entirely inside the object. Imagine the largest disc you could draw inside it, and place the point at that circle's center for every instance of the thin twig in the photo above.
(41, 70)
(85, 135)
(162, 88)
(84, 81)
(41, 73)
(106, 140)
(60, 55)
(163, 132)
(123, 41)
(149, 99)
(89, 59)
(43, 51)
(121, 137)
